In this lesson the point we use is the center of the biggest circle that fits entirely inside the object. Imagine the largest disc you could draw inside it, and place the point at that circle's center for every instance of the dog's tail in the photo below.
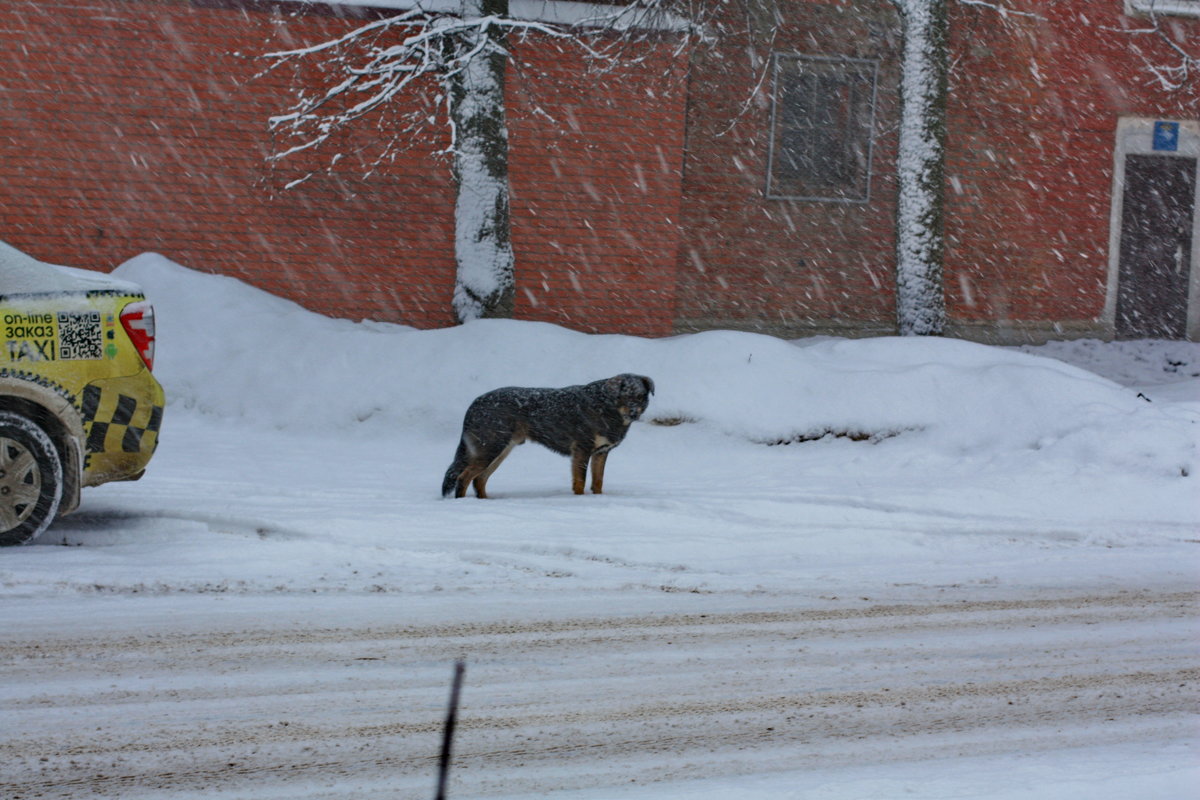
(450, 482)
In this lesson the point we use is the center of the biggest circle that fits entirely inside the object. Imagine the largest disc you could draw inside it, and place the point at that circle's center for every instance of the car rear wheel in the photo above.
(31, 479)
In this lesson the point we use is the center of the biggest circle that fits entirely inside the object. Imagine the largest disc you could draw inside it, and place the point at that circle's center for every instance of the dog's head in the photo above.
(631, 393)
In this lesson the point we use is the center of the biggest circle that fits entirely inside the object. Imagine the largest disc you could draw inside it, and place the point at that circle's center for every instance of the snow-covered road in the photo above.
(148, 706)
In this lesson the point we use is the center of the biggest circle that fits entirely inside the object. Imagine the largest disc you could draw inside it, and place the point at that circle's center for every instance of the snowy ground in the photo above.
(821, 569)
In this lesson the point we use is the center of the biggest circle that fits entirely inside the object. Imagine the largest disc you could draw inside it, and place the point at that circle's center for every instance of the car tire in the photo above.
(31, 479)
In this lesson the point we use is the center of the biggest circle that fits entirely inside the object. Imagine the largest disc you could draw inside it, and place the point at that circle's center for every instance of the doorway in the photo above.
(1153, 277)
(1156, 247)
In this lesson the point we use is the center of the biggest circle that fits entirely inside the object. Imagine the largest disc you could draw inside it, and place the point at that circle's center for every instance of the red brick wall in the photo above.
(1034, 105)
(1032, 113)
(136, 125)
(595, 168)
(784, 266)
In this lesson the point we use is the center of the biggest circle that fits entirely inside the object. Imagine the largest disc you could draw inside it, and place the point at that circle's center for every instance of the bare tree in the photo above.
(459, 46)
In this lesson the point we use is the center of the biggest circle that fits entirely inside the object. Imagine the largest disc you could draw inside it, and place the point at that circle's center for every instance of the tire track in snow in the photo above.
(1122, 605)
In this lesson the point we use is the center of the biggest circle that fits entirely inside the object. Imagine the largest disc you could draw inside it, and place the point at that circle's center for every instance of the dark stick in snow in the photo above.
(448, 731)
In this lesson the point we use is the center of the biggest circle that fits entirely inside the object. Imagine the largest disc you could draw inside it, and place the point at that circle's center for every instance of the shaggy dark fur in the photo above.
(583, 422)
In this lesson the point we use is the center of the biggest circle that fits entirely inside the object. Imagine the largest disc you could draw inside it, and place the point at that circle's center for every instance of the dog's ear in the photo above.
(626, 382)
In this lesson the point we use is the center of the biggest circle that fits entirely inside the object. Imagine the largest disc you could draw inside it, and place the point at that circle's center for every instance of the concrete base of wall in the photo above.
(1002, 333)
(1015, 333)
(789, 329)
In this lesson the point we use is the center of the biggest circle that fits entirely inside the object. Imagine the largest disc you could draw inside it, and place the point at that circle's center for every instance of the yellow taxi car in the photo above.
(78, 403)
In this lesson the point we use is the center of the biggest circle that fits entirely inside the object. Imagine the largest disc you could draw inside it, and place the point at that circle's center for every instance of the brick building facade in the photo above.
(686, 189)
(1033, 207)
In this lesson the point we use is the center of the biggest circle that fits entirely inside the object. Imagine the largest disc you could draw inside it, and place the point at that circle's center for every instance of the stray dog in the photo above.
(583, 422)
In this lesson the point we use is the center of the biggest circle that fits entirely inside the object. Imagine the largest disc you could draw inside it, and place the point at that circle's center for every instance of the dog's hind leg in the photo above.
(471, 460)
(481, 479)
(598, 460)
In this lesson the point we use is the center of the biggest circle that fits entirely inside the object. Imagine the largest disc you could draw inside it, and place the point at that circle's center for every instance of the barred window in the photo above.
(822, 122)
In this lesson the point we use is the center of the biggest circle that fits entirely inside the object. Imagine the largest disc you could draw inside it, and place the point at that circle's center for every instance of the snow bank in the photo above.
(228, 349)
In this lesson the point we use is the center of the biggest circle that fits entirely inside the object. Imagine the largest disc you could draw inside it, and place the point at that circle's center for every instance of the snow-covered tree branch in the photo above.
(373, 71)
(1183, 56)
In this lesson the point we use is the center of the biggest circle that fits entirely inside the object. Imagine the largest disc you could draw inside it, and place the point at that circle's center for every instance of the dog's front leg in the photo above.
(579, 465)
(598, 460)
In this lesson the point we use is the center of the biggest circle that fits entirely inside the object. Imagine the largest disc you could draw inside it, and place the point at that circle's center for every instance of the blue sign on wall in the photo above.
(1166, 136)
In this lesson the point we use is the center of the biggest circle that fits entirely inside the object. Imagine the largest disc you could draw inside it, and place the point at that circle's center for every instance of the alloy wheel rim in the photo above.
(20, 483)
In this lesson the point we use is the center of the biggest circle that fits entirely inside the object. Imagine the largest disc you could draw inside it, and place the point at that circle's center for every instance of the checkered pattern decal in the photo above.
(113, 421)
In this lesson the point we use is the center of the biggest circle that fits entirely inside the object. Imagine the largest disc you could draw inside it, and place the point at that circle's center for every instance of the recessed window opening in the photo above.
(822, 127)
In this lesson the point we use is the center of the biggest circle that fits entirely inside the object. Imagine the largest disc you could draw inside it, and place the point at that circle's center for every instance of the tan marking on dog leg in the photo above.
(482, 479)
(579, 465)
(464, 479)
(598, 461)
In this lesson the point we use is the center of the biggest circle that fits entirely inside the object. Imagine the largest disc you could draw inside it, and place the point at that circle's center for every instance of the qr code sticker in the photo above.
(79, 336)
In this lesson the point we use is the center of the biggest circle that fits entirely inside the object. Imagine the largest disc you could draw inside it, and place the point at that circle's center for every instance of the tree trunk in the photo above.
(484, 284)
(920, 243)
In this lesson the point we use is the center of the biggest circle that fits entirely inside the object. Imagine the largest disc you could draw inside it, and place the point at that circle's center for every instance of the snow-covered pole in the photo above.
(484, 285)
(920, 239)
